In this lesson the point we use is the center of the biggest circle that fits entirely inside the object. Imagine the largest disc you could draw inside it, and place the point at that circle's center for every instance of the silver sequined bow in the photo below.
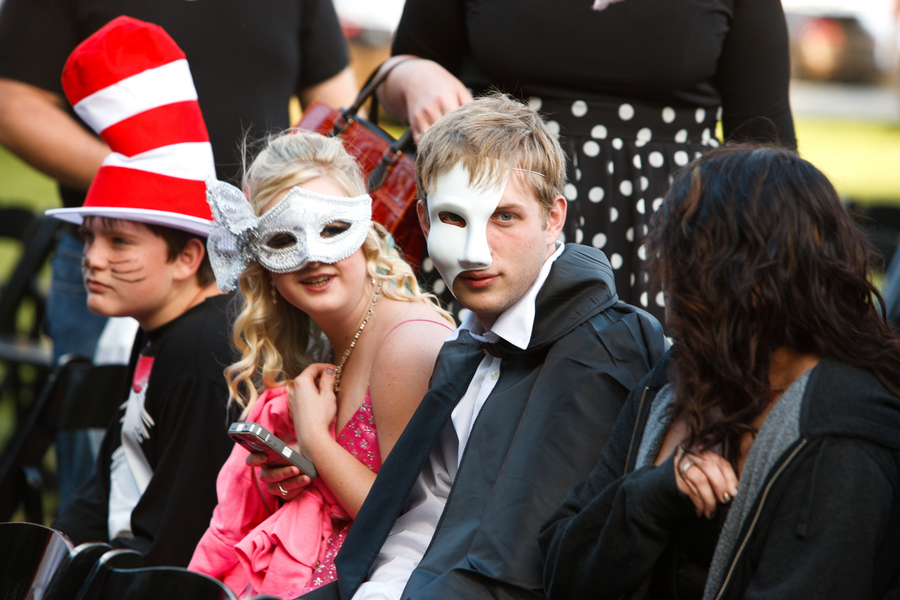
(232, 241)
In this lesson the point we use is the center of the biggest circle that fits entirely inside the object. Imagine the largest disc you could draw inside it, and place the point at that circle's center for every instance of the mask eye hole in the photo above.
(281, 240)
(334, 229)
(451, 218)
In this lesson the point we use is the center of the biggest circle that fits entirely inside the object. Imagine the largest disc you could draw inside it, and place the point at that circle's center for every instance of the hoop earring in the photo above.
(274, 292)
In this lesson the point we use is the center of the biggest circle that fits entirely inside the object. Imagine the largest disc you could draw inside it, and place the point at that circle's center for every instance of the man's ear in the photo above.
(422, 211)
(189, 259)
(556, 218)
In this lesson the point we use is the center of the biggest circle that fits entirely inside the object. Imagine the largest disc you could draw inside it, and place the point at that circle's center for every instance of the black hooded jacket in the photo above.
(825, 523)
(539, 432)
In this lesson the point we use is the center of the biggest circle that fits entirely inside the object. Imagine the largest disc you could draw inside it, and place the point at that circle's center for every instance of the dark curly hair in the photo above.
(755, 252)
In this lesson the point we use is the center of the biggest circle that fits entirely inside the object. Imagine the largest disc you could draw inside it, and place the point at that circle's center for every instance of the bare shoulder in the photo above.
(402, 369)
(413, 341)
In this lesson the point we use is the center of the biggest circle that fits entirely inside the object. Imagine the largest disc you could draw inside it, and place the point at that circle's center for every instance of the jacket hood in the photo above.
(579, 286)
(850, 402)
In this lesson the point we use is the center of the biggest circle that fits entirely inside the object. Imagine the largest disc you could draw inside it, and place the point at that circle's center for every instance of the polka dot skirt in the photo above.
(621, 157)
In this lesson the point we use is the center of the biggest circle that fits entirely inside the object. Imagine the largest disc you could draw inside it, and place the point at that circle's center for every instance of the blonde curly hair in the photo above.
(277, 341)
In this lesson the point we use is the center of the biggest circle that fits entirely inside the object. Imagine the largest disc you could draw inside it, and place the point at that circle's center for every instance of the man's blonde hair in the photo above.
(489, 136)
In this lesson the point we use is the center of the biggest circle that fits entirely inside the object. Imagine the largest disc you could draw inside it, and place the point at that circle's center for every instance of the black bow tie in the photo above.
(494, 350)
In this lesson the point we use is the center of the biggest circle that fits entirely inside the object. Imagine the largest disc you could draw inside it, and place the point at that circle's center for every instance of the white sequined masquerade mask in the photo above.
(284, 238)
(460, 246)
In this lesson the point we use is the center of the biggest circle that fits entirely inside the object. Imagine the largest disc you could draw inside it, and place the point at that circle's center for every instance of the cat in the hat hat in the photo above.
(131, 83)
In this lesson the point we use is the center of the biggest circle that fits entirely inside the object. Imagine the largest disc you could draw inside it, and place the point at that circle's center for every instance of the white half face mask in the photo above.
(286, 237)
(455, 248)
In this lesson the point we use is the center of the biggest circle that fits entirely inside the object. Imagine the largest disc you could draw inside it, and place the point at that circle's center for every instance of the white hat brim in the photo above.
(194, 225)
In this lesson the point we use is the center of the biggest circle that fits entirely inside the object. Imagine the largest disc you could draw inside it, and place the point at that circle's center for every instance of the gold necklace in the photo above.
(340, 368)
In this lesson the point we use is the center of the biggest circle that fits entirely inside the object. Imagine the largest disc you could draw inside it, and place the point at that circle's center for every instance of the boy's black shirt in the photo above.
(184, 442)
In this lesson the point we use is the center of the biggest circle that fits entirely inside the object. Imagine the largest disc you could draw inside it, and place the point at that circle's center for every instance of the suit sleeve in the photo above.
(176, 507)
(572, 407)
(831, 527)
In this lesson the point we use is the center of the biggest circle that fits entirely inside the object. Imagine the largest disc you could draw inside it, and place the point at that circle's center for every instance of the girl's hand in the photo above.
(706, 478)
(313, 406)
(285, 482)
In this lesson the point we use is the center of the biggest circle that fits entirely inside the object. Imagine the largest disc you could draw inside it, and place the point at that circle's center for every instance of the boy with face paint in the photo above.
(145, 223)
(524, 393)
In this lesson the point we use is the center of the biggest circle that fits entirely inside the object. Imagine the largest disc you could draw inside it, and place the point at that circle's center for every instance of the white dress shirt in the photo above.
(412, 532)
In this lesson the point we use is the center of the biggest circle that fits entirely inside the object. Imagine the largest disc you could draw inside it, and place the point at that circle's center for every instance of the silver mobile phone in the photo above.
(256, 438)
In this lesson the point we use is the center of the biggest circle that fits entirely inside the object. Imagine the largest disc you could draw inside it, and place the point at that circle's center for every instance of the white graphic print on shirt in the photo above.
(130, 473)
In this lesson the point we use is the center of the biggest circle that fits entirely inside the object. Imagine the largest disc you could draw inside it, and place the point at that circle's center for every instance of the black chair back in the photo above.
(115, 578)
(27, 361)
(29, 557)
(74, 571)
(16, 221)
(77, 395)
(38, 242)
(20, 471)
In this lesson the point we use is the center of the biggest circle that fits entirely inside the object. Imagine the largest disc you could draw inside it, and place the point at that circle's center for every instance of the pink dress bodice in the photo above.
(359, 438)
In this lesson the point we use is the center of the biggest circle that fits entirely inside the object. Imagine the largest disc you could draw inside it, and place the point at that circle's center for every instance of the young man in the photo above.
(523, 395)
(144, 222)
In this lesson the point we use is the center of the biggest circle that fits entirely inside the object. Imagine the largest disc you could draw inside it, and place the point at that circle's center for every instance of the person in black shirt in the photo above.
(154, 486)
(247, 59)
(145, 223)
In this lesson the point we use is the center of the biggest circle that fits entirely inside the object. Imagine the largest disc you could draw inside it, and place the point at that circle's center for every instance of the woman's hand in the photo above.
(706, 478)
(285, 482)
(422, 91)
(313, 406)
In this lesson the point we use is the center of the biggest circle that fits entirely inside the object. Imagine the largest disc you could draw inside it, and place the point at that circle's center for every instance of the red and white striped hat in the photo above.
(130, 82)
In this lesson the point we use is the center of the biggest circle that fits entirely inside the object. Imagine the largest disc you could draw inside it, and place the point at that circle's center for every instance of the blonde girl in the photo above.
(337, 346)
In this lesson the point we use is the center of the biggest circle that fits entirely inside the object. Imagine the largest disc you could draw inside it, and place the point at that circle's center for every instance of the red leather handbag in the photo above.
(388, 164)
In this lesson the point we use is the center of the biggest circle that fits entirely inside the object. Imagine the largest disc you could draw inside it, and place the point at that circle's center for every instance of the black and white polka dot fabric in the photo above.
(621, 156)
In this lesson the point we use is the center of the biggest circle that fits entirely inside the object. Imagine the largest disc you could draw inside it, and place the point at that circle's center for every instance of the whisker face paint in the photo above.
(117, 273)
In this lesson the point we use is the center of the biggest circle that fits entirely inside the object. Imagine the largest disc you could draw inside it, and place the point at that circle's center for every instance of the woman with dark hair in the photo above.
(762, 458)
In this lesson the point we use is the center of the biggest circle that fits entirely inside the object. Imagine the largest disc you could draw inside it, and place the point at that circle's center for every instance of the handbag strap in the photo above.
(368, 93)
(391, 155)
